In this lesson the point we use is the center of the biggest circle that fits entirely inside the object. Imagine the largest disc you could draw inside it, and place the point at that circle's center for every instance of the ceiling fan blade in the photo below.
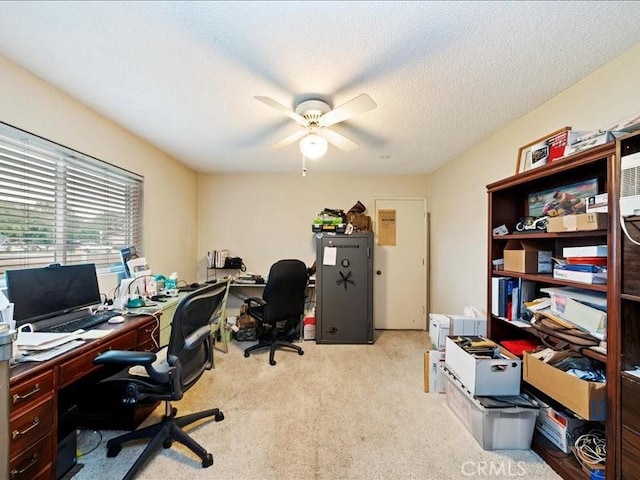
(361, 104)
(285, 142)
(337, 140)
(281, 108)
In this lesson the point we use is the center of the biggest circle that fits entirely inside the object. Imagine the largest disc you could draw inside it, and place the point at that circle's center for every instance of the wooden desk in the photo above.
(34, 388)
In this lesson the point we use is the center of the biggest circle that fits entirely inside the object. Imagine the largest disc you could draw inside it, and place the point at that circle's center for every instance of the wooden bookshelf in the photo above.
(507, 203)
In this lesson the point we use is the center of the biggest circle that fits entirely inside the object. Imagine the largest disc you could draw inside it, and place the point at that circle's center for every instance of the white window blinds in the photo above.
(61, 206)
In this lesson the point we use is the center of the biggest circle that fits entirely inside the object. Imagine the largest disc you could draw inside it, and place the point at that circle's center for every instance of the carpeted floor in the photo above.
(338, 412)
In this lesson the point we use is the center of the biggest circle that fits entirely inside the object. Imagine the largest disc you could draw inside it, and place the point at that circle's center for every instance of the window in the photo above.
(58, 205)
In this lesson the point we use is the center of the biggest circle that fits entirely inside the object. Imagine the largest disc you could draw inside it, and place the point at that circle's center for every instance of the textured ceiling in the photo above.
(445, 75)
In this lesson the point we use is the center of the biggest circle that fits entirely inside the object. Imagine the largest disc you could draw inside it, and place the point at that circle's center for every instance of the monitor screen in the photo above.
(40, 293)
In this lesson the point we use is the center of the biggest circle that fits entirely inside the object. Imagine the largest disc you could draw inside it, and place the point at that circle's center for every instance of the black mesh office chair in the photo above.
(167, 375)
(280, 307)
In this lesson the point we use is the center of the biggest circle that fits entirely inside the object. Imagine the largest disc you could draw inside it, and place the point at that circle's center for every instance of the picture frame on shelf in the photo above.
(542, 151)
(565, 200)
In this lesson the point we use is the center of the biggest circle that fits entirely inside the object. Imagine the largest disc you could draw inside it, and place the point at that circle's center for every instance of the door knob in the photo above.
(378, 272)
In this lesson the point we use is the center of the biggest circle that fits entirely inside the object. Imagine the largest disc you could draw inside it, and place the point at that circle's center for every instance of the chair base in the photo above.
(164, 433)
(272, 345)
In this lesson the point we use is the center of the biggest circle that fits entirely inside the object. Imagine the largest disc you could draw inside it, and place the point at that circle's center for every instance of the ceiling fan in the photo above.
(315, 116)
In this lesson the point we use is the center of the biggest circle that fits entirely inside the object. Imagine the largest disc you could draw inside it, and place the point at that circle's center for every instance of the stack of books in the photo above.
(509, 296)
(587, 264)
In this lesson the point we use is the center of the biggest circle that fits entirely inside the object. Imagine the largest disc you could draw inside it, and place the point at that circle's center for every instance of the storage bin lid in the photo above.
(521, 401)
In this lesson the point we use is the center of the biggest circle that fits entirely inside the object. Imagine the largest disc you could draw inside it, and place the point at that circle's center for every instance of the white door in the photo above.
(400, 270)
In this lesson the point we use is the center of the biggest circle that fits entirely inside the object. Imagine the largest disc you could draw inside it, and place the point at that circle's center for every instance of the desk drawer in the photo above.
(30, 391)
(31, 425)
(34, 462)
(148, 332)
(148, 346)
(82, 365)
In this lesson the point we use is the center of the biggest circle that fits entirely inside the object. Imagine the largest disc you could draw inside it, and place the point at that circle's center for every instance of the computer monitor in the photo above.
(127, 254)
(42, 293)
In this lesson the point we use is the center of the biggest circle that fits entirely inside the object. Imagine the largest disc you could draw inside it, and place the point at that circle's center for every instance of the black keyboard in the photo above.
(84, 322)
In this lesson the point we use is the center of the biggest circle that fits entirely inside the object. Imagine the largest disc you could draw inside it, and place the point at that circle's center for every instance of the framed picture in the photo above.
(542, 151)
(565, 200)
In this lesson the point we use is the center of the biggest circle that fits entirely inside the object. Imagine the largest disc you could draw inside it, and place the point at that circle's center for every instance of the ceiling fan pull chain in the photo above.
(304, 166)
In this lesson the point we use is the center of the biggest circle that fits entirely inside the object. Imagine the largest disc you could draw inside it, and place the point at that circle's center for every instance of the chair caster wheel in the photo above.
(301, 352)
(219, 417)
(113, 451)
(272, 362)
(246, 354)
(167, 443)
(208, 461)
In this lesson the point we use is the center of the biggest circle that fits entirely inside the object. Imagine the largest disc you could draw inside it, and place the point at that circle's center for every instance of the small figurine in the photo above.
(532, 223)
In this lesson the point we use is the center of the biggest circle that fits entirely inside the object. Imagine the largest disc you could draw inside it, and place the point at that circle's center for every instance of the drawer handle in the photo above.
(17, 433)
(32, 462)
(17, 398)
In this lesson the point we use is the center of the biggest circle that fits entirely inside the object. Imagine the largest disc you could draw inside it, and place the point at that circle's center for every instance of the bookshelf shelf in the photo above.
(545, 235)
(522, 326)
(548, 279)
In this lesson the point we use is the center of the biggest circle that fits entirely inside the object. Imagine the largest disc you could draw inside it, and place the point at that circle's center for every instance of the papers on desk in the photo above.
(94, 334)
(42, 346)
(43, 340)
(44, 355)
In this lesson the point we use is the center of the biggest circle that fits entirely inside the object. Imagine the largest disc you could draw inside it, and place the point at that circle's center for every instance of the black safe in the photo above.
(344, 288)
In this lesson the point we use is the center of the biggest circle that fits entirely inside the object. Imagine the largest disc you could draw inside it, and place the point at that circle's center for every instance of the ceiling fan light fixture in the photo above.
(313, 146)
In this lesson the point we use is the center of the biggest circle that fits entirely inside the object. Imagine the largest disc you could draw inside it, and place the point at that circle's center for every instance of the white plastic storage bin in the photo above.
(505, 428)
(481, 375)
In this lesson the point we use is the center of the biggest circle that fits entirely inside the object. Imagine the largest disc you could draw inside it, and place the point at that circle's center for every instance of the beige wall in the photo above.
(267, 217)
(458, 200)
(170, 188)
(264, 217)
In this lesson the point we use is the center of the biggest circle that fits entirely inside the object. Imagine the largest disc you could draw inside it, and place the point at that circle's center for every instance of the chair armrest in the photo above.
(260, 302)
(196, 338)
(125, 358)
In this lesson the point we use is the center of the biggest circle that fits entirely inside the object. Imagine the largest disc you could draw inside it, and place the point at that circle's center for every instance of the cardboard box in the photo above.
(484, 376)
(438, 329)
(560, 428)
(441, 326)
(461, 325)
(434, 381)
(526, 257)
(585, 399)
(579, 222)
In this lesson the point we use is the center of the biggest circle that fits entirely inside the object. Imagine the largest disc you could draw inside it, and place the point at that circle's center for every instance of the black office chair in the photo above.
(280, 307)
(167, 375)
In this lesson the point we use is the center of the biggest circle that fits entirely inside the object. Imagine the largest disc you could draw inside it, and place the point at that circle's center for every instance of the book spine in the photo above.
(502, 301)
(511, 285)
(580, 267)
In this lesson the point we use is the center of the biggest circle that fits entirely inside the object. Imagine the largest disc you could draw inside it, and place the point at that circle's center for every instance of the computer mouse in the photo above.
(116, 319)
(194, 285)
